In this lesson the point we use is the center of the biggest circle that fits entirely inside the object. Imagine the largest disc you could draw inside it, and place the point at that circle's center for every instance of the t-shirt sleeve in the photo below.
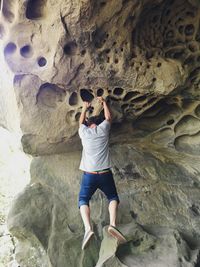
(105, 125)
(81, 130)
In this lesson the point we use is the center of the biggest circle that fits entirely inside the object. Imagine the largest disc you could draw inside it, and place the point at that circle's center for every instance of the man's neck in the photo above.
(93, 125)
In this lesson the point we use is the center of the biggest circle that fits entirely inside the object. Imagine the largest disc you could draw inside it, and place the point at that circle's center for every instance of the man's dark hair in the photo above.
(93, 119)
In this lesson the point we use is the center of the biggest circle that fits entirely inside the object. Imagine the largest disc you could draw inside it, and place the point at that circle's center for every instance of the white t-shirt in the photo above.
(95, 141)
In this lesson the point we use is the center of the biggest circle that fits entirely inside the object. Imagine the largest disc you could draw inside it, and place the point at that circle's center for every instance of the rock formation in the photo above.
(143, 57)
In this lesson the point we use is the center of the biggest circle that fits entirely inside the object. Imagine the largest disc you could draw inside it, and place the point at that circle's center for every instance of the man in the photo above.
(96, 164)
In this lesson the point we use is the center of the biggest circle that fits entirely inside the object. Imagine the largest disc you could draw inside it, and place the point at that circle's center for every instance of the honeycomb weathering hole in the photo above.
(35, 9)
(77, 116)
(73, 99)
(50, 95)
(100, 92)
(42, 61)
(10, 48)
(26, 51)
(170, 122)
(130, 95)
(118, 91)
(139, 99)
(189, 29)
(86, 95)
(7, 6)
(70, 48)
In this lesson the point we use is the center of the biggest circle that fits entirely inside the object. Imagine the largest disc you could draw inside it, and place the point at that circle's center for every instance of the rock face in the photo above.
(143, 57)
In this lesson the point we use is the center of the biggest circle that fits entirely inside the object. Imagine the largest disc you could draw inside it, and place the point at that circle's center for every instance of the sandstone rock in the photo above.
(155, 191)
(143, 57)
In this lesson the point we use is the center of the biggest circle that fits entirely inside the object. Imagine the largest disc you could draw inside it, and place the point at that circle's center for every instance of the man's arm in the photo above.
(83, 112)
(107, 112)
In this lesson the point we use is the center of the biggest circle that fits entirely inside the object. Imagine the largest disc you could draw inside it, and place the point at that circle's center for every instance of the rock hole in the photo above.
(70, 48)
(107, 51)
(189, 29)
(180, 259)
(100, 92)
(86, 95)
(35, 9)
(50, 95)
(152, 247)
(133, 55)
(124, 106)
(159, 65)
(77, 116)
(167, 12)
(116, 60)
(154, 79)
(181, 29)
(113, 98)
(118, 91)
(83, 52)
(152, 100)
(130, 95)
(26, 51)
(177, 55)
(155, 19)
(139, 99)
(192, 48)
(102, 4)
(7, 13)
(98, 37)
(189, 60)
(10, 48)
(170, 34)
(197, 37)
(170, 122)
(73, 99)
(195, 210)
(42, 61)
(138, 109)
(149, 54)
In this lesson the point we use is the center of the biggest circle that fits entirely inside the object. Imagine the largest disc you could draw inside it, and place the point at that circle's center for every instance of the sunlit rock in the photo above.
(143, 57)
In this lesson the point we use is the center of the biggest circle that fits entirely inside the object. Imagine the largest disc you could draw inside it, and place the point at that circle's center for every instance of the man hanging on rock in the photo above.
(96, 164)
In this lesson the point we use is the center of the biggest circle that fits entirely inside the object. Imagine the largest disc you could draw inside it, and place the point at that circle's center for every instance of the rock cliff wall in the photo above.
(143, 56)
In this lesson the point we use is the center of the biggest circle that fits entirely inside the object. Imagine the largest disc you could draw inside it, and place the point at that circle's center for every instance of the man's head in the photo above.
(93, 120)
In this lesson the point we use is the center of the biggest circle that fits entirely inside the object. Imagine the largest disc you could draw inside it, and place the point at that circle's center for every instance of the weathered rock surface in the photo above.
(143, 56)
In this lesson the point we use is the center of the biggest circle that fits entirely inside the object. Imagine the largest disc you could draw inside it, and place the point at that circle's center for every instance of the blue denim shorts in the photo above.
(91, 182)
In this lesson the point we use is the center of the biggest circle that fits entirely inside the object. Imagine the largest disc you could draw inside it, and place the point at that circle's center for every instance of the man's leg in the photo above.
(112, 230)
(112, 208)
(85, 215)
(87, 190)
(108, 187)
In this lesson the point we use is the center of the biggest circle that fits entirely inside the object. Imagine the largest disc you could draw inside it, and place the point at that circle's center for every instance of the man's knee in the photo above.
(114, 199)
(82, 202)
